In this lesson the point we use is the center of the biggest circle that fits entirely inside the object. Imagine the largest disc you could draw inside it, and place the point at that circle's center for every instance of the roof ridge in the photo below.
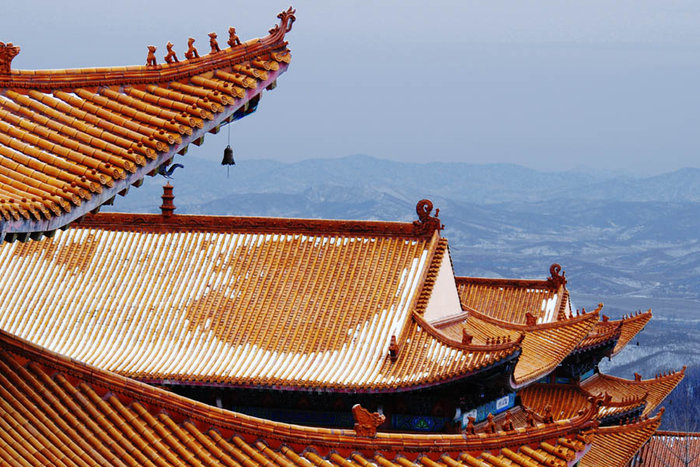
(505, 282)
(139, 74)
(636, 424)
(659, 377)
(591, 315)
(156, 223)
(440, 337)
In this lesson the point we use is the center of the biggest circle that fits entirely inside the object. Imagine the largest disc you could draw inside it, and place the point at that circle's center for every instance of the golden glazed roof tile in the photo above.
(57, 411)
(631, 325)
(654, 391)
(669, 449)
(70, 140)
(544, 346)
(566, 400)
(615, 446)
(511, 300)
(240, 301)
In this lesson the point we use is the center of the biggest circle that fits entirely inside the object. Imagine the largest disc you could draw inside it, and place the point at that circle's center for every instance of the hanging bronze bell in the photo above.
(228, 156)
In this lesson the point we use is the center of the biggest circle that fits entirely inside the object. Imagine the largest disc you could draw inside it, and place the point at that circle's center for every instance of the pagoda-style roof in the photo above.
(245, 302)
(61, 412)
(526, 302)
(630, 326)
(544, 345)
(615, 446)
(669, 449)
(619, 397)
(619, 332)
(653, 390)
(512, 300)
(70, 140)
(566, 400)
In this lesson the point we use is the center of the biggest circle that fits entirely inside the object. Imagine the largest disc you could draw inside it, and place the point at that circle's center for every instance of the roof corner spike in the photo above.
(427, 224)
(556, 279)
(287, 18)
(7, 53)
(168, 207)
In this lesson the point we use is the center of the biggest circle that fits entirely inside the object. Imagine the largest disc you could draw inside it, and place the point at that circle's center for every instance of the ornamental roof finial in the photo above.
(7, 53)
(557, 279)
(426, 223)
(168, 207)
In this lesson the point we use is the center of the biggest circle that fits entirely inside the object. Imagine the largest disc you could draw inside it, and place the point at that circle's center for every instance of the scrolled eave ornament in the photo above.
(7, 53)
(426, 224)
(287, 18)
(557, 277)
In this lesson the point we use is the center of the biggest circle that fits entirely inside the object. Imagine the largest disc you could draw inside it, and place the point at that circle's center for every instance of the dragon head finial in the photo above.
(7, 53)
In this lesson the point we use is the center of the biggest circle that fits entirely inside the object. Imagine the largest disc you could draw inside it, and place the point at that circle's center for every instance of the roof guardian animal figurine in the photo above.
(191, 50)
(7, 53)
(151, 57)
(233, 39)
(171, 57)
(213, 43)
(366, 422)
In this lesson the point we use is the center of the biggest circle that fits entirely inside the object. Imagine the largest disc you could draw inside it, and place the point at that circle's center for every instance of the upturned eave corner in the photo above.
(75, 142)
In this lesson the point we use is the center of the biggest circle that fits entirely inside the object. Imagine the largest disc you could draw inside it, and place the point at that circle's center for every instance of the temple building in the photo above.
(167, 339)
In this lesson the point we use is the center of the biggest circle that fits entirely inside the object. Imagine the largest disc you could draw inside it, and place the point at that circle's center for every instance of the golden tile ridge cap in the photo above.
(635, 425)
(241, 423)
(591, 317)
(86, 77)
(637, 316)
(156, 223)
(438, 248)
(666, 376)
(505, 282)
(512, 346)
(689, 434)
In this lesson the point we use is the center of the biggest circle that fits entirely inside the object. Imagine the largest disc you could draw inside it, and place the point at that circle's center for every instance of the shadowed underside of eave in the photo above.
(71, 140)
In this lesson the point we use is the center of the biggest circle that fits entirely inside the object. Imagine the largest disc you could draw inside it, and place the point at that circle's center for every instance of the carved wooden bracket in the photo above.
(366, 422)
(7, 53)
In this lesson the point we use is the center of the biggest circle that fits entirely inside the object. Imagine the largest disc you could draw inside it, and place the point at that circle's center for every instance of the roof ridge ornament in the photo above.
(557, 277)
(426, 223)
(287, 18)
(7, 53)
(366, 422)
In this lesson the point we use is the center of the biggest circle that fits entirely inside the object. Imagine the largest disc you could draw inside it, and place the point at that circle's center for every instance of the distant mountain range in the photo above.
(615, 234)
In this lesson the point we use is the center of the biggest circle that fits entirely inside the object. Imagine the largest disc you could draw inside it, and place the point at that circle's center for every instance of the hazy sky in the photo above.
(546, 84)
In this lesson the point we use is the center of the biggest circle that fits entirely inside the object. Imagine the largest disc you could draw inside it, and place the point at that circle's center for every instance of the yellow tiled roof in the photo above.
(70, 140)
(566, 400)
(669, 449)
(510, 299)
(630, 326)
(60, 412)
(239, 301)
(654, 390)
(544, 346)
(614, 446)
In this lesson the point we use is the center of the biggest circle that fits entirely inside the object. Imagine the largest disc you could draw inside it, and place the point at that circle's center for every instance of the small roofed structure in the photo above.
(615, 446)
(669, 449)
(71, 140)
(621, 399)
